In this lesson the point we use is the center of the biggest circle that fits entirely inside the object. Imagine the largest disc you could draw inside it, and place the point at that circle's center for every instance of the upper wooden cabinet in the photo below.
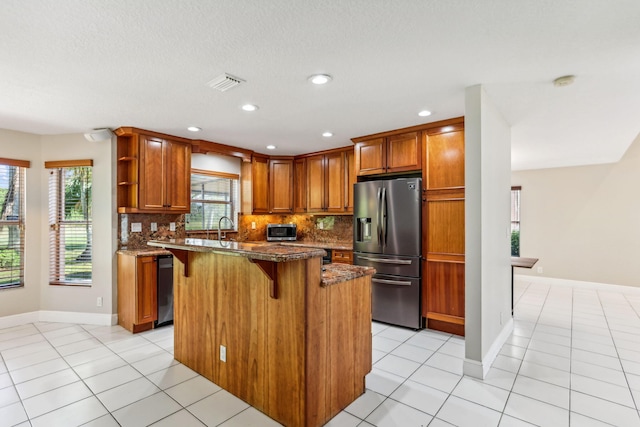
(388, 154)
(260, 184)
(272, 184)
(281, 185)
(300, 185)
(153, 173)
(350, 176)
(165, 175)
(329, 182)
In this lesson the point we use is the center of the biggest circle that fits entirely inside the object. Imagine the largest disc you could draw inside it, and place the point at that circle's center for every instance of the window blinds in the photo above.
(70, 224)
(12, 187)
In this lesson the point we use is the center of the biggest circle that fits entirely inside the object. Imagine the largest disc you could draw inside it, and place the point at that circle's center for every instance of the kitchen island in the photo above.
(264, 322)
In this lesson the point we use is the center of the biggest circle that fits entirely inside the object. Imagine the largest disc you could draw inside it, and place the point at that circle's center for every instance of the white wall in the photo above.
(582, 222)
(24, 146)
(63, 303)
(74, 298)
(487, 230)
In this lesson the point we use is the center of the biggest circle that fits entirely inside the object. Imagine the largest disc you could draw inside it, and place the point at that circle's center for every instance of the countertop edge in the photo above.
(334, 274)
(143, 252)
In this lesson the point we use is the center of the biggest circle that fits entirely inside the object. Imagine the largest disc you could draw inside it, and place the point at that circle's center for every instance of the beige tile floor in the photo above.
(573, 360)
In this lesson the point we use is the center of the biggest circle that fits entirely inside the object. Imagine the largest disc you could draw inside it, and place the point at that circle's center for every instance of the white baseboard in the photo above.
(476, 369)
(18, 319)
(58, 316)
(80, 318)
(576, 283)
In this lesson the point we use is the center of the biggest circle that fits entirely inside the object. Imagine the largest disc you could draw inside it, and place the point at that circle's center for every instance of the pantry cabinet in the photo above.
(153, 173)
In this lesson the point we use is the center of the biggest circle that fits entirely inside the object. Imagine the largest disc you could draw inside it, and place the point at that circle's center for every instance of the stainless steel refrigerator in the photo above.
(387, 236)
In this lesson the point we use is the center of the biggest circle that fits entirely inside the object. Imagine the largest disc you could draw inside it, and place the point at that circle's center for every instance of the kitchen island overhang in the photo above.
(296, 341)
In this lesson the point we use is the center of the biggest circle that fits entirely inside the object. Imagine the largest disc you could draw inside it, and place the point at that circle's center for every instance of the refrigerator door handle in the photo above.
(384, 216)
(391, 282)
(387, 261)
(379, 217)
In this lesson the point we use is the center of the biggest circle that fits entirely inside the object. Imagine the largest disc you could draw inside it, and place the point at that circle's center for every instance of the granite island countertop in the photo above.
(338, 246)
(265, 251)
(143, 252)
(335, 273)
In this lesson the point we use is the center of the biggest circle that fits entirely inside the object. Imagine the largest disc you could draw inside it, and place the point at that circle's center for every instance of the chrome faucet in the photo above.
(219, 222)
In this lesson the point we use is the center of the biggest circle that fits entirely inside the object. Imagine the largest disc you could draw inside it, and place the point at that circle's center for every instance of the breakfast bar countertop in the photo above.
(264, 251)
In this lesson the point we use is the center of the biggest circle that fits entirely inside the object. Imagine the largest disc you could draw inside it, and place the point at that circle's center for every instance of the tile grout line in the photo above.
(615, 346)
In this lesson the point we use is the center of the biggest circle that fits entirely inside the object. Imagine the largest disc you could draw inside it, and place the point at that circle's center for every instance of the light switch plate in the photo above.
(154, 226)
(172, 226)
(136, 227)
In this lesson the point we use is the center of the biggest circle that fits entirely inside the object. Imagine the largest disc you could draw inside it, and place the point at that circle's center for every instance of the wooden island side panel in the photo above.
(300, 358)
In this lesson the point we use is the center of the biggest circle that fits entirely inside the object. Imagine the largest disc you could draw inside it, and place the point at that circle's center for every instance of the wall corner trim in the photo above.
(476, 369)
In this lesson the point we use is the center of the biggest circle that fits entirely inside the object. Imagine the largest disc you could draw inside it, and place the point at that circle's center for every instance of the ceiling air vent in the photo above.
(224, 82)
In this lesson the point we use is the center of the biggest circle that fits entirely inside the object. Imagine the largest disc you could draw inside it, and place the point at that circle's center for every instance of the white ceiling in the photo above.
(71, 66)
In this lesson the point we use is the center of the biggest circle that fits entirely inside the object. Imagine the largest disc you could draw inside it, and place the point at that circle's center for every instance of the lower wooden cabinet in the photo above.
(342, 257)
(137, 292)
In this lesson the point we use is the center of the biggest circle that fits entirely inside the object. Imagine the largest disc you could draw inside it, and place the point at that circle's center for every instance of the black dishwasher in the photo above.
(165, 290)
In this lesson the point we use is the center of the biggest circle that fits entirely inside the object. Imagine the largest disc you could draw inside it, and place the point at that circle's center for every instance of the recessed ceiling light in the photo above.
(320, 79)
(327, 134)
(249, 107)
(271, 147)
(424, 113)
(564, 81)
(194, 129)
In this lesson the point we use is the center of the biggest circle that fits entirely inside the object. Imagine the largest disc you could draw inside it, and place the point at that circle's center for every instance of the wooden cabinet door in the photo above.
(370, 157)
(350, 177)
(281, 185)
(260, 184)
(152, 173)
(443, 228)
(316, 183)
(404, 152)
(334, 182)
(300, 186)
(178, 177)
(342, 257)
(146, 290)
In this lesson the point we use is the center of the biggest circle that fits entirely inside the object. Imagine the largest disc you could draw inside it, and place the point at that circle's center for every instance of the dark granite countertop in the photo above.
(340, 246)
(266, 251)
(337, 273)
(143, 252)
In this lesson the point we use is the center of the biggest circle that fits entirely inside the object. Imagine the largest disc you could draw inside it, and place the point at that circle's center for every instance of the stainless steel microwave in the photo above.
(281, 232)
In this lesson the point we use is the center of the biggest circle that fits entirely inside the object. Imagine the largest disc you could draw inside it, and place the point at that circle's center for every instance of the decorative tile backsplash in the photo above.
(130, 239)
(316, 228)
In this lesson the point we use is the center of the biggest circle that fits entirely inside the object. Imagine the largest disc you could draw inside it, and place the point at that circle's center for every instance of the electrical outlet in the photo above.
(223, 353)
(99, 302)
(540, 270)
(320, 225)
(253, 225)
(154, 226)
(172, 226)
(136, 227)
